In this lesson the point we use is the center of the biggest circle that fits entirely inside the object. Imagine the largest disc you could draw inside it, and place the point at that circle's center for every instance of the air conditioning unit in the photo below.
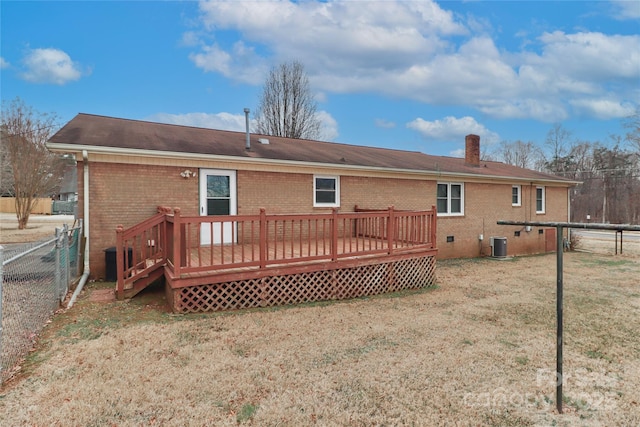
(498, 247)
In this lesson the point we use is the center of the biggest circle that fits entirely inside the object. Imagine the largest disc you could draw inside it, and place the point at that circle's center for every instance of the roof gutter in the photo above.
(85, 214)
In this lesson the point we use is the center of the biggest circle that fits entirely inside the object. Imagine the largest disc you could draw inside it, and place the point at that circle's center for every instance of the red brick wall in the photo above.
(127, 194)
(485, 204)
(276, 192)
(293, 193)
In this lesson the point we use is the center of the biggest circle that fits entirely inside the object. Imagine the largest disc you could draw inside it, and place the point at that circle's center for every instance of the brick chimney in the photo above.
(472, 150)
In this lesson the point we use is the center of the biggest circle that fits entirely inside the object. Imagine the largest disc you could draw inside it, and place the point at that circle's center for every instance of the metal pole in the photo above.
(67, 263)
(58, 273)
(559, 379)
(559, 229)
(620, 242)
(616, 242)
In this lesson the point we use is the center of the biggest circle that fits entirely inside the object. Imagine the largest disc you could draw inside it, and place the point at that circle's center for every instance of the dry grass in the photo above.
(39, 227)
(477, 350)
(604, 242)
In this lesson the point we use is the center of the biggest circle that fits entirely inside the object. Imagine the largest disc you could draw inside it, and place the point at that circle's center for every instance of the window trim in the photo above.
(519, 202)
(317, 204)
(544, 196)
(449, 184)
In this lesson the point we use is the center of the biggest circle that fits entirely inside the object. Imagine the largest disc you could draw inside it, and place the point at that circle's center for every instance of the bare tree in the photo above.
(557, 141)
(632, 123)
(523, 154)
(287, 107)
(34, 171)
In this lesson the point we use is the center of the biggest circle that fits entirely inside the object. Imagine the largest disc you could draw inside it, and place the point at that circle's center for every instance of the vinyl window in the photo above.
(450, 198)
(540, 200)
(326, 191)
(516, 195)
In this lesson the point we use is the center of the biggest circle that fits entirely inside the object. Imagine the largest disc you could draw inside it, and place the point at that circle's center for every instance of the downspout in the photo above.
(85, 200)
(569, 213)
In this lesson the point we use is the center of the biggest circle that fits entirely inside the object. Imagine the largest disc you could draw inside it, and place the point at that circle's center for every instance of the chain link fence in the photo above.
(34, 281)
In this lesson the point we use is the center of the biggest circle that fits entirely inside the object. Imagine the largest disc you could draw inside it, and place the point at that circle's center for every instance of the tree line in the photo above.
(609, 171)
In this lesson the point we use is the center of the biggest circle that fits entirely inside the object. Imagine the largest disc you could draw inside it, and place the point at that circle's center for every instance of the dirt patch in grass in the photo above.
(477, 350)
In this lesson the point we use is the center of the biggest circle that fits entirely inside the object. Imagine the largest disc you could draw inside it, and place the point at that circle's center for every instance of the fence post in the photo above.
(67, 262)
(263, 238)
(58, 274)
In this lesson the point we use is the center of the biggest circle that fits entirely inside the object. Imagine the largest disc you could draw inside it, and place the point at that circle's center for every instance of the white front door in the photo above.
(217, 197)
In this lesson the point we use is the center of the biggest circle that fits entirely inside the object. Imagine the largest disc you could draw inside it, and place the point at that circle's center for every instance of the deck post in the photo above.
(119, 262)
(163, 234)
(334, 234)
(263, 238)
(177, 242)
(391, 229)
(434, 225)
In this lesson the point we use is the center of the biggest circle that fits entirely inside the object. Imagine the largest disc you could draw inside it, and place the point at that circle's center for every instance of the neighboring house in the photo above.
(69, 185)
(136, 166)
(65, 202)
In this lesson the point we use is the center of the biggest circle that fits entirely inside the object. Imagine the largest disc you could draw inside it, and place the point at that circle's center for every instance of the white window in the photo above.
(540, 204)
(326, 191)
(516, 192)
(450, 198)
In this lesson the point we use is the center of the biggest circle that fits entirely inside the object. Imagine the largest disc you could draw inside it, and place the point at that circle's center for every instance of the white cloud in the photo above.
(423, 52)
(328, 126)
(589, 57)
(385, 124)
(50, 66)
(320, 96)
(241, 64)
(222, 121)
(457, 153)
(337, 35)
(626, 9)
(3, 63)
(452, 129)
(603, 109)
(190, 38)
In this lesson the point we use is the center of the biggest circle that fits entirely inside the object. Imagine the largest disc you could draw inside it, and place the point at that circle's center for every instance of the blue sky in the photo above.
(408, 75)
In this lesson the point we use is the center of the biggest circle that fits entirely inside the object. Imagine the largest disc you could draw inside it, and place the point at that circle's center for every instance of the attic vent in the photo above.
(263, 141)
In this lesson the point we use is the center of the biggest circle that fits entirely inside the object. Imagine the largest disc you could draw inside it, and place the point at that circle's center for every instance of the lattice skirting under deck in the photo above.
(342, 283)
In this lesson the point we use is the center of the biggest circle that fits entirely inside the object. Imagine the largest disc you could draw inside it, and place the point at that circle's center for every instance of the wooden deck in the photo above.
(258, 260)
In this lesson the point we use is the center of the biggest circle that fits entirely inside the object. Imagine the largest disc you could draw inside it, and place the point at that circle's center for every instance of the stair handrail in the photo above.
(146, 245)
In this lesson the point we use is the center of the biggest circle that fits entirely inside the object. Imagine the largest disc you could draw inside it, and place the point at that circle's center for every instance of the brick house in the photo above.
(135, 166)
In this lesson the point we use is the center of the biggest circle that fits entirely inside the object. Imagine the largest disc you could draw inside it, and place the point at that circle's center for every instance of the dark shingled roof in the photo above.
(86, 130)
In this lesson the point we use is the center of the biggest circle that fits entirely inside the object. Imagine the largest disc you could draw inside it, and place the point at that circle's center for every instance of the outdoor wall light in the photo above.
(187, 174)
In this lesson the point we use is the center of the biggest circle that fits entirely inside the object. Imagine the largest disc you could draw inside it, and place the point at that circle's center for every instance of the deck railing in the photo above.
(210, 243)
(198, 244)
(140, 249)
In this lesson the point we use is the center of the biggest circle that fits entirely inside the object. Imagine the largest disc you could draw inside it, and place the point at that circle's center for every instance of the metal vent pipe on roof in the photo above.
(246, 119)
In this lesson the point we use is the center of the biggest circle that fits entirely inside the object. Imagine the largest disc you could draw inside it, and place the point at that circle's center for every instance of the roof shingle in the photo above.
(86, 130)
